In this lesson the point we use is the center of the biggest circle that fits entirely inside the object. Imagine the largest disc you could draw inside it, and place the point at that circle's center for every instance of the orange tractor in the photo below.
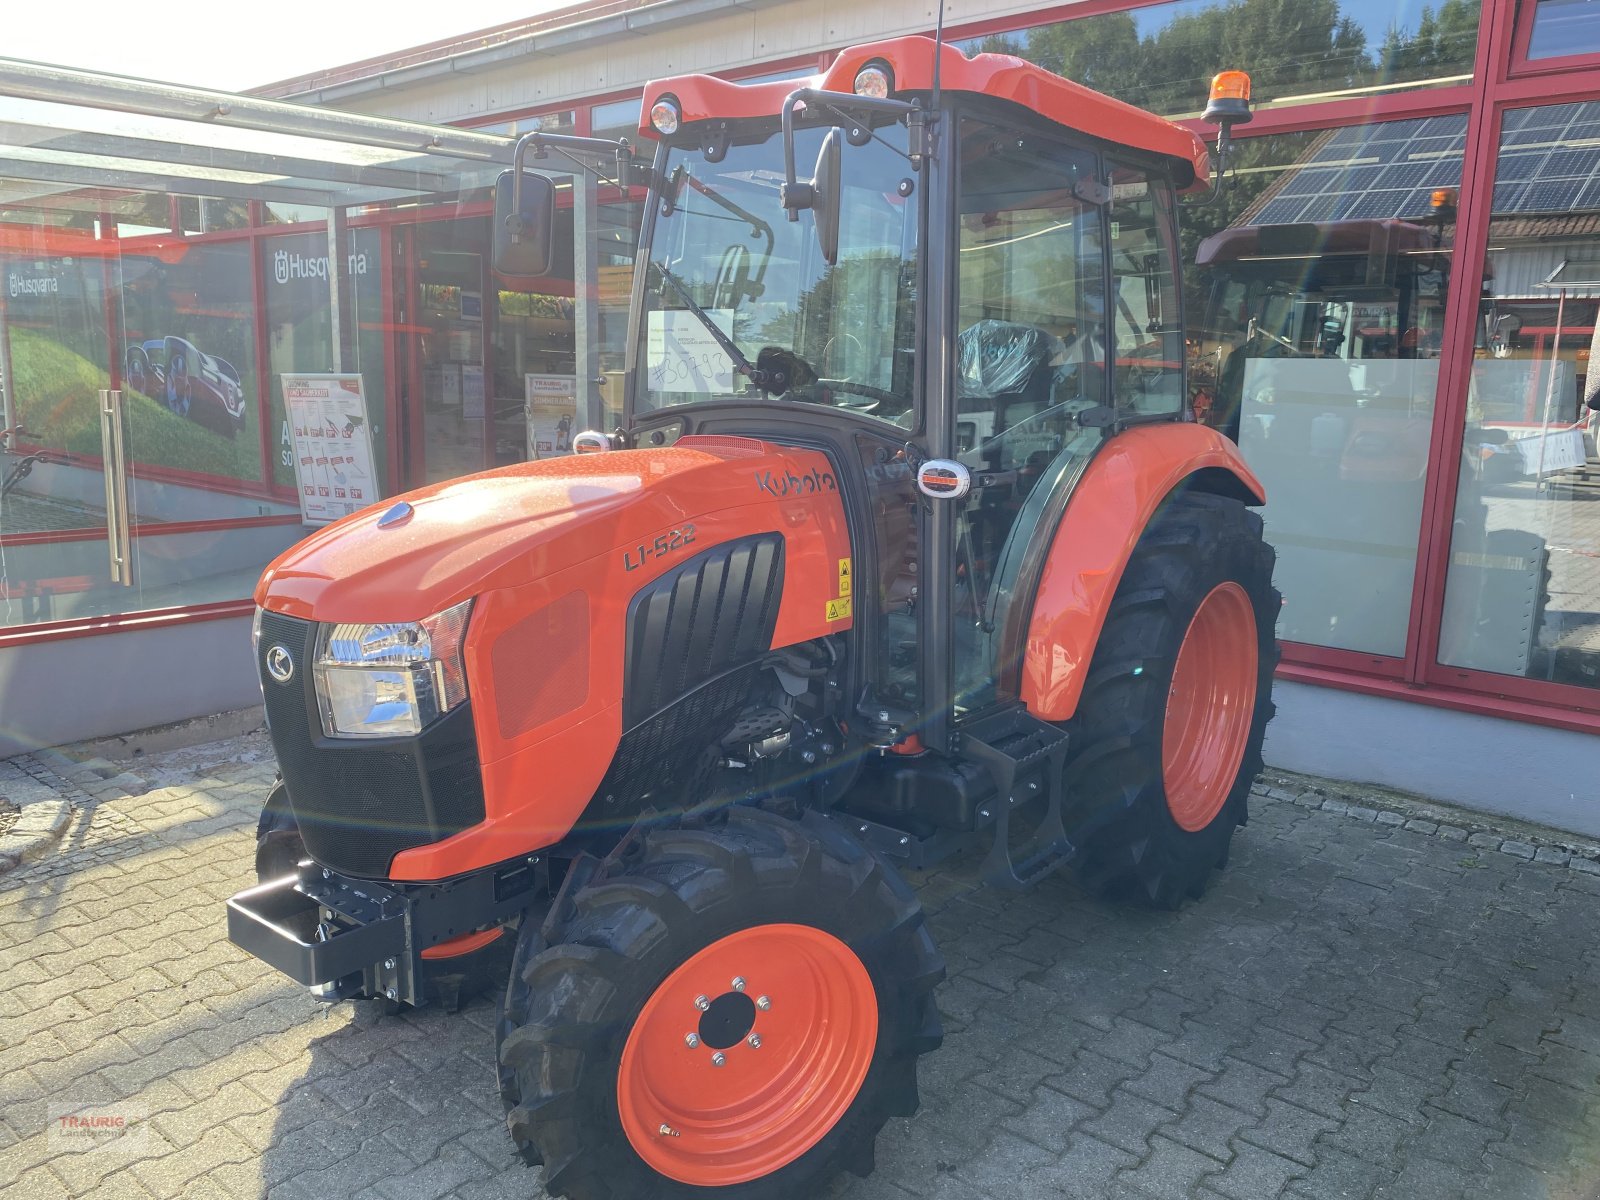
(906, 544)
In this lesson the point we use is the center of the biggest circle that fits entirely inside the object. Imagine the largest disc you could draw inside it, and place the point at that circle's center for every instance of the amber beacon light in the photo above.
(1230, 99)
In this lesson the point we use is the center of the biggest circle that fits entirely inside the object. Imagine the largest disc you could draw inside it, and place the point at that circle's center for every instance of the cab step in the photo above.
(1026, 758)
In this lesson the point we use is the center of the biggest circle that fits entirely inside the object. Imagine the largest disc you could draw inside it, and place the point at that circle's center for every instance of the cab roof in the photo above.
(1003, 76)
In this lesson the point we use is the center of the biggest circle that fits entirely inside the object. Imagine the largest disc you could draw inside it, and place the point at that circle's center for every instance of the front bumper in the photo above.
(344, 937)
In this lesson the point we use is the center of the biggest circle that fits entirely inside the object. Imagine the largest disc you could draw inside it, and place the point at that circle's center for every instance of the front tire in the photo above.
(789, 933)
(1167, 738)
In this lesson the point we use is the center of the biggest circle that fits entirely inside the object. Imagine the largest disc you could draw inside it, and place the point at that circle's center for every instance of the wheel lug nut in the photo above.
(754, 1040)
(763, 1003)
(738, 983)
(702, 1003)
(691, 1040)
(718, 1059)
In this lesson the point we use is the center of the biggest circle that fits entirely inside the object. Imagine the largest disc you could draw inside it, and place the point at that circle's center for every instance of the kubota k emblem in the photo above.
(279, 665)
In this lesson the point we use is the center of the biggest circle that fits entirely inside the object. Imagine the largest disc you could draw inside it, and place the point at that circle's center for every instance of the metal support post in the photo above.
(341, 296)
(586, 299)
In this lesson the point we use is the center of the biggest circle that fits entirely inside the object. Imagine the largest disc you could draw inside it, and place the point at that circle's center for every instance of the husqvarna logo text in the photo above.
(21, 285)
(790, 484)
(287, 265)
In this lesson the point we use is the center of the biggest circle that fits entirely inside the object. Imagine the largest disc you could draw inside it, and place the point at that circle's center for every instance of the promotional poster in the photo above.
(332, 445)
(552, 414)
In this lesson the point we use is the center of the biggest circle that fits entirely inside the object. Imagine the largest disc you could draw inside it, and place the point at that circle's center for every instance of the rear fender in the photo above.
(1110, 508)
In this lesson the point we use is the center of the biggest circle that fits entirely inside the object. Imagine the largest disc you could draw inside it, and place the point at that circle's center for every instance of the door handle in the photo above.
(114, 467)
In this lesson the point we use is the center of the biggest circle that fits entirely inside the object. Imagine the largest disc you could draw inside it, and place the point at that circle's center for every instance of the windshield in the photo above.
(729, 271)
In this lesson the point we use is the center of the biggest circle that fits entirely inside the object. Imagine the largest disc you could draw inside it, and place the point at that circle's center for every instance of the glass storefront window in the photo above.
(1316, 313)
(1564, 27)
(188, 326)
(148, 337)
(619, 119)
(299, 332)
(89, 310)
(1522, 596)
(551, 122)
(1162, 57)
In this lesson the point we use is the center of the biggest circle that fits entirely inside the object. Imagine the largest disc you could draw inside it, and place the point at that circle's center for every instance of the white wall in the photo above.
(1531, 772)
(730, 36)
(69, 690)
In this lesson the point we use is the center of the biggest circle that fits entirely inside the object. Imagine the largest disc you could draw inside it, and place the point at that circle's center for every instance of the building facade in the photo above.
(1391, 309)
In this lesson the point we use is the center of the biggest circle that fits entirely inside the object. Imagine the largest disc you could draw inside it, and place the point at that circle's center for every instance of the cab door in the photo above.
(1031, 358)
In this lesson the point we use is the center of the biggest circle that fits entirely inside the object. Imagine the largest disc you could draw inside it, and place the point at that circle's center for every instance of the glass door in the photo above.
(442, 306)
(55, 358)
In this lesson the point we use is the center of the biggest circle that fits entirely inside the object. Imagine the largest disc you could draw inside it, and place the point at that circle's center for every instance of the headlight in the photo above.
(391, 679)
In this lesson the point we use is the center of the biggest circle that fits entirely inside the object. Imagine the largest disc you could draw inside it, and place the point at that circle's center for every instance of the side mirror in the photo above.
(825, 184)
(524, 227)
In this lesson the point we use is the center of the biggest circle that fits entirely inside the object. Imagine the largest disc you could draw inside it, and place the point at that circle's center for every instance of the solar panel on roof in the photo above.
(1514, 167)
(1376, 205)
(1390, 170)
(1565, 163)
(1589, 197)
(1404, 175)
(1362, 178)
(1310, 182)
(1550, 197)
(1442, 173)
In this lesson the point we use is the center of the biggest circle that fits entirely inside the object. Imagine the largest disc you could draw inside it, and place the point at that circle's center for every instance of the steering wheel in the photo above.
(733, 276)
(854, 349)
(876, 395)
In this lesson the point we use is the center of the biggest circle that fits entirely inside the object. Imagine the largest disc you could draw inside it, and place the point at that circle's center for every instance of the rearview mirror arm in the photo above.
(793, 194)
(541, 144)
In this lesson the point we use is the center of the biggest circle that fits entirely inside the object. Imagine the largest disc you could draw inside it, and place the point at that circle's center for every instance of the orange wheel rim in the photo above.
(791, 1013)
(1210, 707)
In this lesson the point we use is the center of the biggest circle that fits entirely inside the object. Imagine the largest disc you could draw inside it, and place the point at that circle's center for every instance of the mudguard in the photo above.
(1109, 510)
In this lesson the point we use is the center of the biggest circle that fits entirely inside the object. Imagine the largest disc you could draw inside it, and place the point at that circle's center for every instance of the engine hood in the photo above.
(510, 526)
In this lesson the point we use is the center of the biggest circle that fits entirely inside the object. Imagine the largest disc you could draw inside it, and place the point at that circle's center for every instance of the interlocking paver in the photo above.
(1361, 1007)
(1255, 1172)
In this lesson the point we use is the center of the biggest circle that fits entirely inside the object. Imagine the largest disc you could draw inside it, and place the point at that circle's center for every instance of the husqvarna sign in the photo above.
(32, 285)
(288, 265)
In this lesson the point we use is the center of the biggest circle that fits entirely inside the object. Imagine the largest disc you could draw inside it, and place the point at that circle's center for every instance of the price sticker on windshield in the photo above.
(685, 357)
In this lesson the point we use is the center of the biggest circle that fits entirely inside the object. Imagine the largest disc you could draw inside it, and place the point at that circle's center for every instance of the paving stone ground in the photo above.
(1356, 1009)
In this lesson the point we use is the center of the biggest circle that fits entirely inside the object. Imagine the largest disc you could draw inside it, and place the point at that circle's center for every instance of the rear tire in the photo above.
(595, 1048)
(1159, 776)
(450, 982)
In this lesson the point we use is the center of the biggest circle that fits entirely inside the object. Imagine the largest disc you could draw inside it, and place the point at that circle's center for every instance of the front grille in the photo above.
(359, 803)
(715, 612)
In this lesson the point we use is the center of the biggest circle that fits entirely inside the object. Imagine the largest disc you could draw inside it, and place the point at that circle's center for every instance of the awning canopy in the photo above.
(68, 136)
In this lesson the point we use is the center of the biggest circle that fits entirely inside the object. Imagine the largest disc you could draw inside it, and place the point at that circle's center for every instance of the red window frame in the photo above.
(1522, 37)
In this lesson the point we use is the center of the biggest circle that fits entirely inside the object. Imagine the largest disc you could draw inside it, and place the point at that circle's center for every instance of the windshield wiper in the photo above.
(742, 364)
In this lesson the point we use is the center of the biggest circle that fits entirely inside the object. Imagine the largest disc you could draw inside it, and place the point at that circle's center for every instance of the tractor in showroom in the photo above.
(906, 544)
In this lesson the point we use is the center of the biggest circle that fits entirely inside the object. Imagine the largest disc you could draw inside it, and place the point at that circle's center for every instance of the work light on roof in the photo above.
(873, 80)
(664, 117)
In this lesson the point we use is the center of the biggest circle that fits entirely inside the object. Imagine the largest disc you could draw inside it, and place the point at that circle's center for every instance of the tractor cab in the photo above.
(919, 262)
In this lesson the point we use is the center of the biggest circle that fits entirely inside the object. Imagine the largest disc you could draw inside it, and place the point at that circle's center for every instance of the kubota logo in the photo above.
(279, 665)
(791, 484)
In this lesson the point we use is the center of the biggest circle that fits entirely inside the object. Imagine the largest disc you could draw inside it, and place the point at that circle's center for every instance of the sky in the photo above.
(204, 44)
(235, 47)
